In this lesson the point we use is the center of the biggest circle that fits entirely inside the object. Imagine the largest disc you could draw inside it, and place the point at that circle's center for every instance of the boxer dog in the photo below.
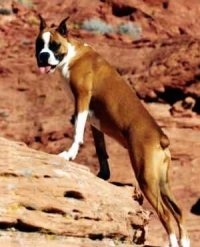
(113, 108)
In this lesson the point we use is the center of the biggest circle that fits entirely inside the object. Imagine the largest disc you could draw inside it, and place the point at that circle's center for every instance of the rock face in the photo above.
(43, 194)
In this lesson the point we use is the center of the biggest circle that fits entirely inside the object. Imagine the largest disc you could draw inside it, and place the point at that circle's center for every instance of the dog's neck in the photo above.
(64, 66)
(75, 50)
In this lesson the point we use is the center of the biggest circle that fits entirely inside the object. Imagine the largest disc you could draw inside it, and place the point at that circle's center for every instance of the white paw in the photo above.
(185, 242)
(64, 155)
(71, 153)
(173, 240)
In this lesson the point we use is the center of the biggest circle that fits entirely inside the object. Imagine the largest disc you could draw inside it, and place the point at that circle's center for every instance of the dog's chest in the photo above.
(66, 71)
(65, 64)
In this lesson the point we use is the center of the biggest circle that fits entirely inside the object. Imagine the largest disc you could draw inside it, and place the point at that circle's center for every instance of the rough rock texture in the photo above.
(162, 65)
(41, 193)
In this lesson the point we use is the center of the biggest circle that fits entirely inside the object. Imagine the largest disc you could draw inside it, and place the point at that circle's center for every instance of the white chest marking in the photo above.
(64, 65)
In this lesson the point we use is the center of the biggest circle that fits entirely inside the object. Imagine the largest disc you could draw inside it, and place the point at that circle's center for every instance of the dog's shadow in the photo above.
(121, 184)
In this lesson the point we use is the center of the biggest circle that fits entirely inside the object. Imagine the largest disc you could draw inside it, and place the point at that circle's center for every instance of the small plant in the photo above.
(132, 29)
(27, 3)
(97, 26)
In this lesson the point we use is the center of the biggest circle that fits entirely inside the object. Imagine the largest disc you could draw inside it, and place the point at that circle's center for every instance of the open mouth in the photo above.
(47, 69)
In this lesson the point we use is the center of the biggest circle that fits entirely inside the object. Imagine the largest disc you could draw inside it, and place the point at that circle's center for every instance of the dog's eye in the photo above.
(54, 46)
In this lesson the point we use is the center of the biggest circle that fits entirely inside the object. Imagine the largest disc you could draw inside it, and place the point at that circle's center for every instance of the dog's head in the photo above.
(51, 46)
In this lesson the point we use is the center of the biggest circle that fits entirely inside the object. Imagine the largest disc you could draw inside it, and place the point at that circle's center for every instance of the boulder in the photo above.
(58, 201)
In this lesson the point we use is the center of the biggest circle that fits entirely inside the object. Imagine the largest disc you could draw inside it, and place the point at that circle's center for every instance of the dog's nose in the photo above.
(43, 57)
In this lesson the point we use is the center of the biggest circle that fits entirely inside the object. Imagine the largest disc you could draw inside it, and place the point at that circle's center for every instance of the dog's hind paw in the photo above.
(185, 242)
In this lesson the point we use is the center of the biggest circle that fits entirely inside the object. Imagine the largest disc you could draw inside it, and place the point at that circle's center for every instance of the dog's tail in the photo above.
(165, 191)
(170, 202)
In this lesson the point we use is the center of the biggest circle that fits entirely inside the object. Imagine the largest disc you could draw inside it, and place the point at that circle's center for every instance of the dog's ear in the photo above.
(62, 28)
(42, 23)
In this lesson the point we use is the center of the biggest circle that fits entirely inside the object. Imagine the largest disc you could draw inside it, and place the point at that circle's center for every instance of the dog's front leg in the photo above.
(102, 155)
(78, 137)
(82, 106)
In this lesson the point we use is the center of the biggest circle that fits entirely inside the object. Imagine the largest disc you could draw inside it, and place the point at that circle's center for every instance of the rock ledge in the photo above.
(56, 200)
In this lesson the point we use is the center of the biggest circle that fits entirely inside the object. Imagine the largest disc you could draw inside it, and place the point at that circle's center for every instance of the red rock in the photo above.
(44, 194)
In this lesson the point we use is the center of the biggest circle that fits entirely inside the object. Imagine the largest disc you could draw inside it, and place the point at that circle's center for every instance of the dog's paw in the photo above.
(71, 153)
(64, 155)
(185, 242)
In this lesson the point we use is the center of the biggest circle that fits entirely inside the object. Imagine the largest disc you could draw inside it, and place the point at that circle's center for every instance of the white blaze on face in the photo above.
(46, 38)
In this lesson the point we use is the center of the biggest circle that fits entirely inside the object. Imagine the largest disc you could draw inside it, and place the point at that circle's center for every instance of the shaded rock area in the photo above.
(41, 193)
(162, 63)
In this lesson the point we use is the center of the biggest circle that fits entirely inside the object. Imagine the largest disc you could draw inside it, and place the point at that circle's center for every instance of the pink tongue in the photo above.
(44, 70)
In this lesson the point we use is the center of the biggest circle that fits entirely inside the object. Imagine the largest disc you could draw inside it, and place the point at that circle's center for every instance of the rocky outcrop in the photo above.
(160, 18)
(45, 195)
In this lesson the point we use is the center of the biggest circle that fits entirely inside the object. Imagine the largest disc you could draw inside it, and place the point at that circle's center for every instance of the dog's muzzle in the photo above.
(43, 63)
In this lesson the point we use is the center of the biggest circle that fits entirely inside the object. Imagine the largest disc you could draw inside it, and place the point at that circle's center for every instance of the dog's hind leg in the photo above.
(151, 165)
(102, 155)
(170, 201)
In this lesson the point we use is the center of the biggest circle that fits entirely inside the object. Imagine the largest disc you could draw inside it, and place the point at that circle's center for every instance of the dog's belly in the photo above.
(107, 127)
